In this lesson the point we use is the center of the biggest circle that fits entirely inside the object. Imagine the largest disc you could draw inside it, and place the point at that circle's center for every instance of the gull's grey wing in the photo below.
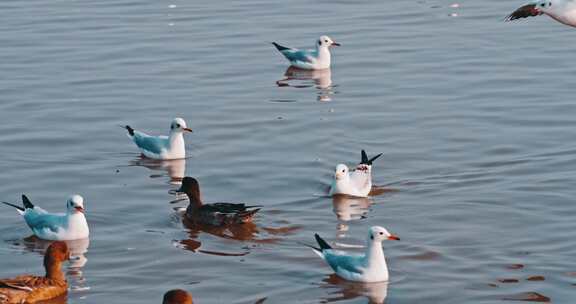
(40, 220)
(298, 55)
(149, 143)
(293, 54)
(353, 264)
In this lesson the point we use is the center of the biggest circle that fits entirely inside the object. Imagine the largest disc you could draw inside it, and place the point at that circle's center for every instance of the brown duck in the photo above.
(31, 289)
(177, 296)
(217, 214)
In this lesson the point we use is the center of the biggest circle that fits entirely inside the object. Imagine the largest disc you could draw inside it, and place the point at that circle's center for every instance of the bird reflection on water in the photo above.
(299, 78)
(247, 232)
(175, 169)
(346, 290)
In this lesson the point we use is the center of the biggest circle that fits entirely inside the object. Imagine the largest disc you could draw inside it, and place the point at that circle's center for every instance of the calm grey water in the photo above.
(475, 118)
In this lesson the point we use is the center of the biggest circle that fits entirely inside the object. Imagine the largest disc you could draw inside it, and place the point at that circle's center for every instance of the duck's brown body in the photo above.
(217, 214)
(29, 289)
(220, 214)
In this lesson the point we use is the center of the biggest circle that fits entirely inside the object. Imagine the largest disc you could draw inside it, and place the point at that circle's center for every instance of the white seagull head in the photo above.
(75, 204)
(341, 172)
(179, 125)
(326, 42)
(543, 6)
(379, 234)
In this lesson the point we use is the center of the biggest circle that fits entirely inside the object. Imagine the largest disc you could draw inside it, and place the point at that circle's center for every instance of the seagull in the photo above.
(162, 147)
(356, 183)
(563, 11)
(316, 59)
(177, 296)
(32, 289)
(216, 214)
(368, 268)
(56, 227)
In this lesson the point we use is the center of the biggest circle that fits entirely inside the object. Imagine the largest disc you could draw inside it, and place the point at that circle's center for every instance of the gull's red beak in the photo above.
(187, 129)
(393, 237)
(336, 44)
(79, 209)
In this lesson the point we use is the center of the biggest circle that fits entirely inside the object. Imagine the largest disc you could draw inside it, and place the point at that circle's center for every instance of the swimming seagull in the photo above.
(56, 227)
(368, 267)
(563, 11)
(315, 59)
(216, 214)
(162, 147)
(356, 183)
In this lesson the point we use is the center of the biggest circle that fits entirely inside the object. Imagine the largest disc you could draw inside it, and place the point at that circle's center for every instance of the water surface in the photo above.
(475, 118)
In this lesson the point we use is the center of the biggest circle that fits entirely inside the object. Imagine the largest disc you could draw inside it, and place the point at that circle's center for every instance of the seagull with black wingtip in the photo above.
(368, 267)
(563, 11)
(162, 147)
(314, 59)
(217, 214)
(356, 183)
(71, 225)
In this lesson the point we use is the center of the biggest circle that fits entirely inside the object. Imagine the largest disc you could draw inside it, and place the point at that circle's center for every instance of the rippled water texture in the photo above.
(475, 117)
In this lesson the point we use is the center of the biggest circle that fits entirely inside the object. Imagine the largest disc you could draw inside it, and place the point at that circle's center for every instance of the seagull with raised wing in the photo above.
(563, 11)
(315, 59)
(162, 147)
(356, 183)
(216, 214)
(67, 226)
(368, 267)
(33, 289)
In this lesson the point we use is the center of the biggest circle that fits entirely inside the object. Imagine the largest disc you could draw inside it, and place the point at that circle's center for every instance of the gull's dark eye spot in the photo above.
(381, 233)
(549, 3)
(326, 41)
(543, 4)
(371, 237)
(343, 170)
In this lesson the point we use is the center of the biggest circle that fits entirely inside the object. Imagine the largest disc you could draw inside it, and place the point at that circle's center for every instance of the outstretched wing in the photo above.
(528, 10)
(153, 144)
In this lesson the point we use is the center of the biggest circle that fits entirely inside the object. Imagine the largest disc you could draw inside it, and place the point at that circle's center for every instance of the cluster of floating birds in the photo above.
(368, 267)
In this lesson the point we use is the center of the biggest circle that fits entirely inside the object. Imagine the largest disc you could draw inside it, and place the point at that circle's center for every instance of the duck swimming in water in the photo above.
(32, 289)
(217, 214)
(177, 296)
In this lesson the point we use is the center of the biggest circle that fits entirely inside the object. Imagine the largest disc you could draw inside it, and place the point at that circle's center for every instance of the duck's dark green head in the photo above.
(191, 187)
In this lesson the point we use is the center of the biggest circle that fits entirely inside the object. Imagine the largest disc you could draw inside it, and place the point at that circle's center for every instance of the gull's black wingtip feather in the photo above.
(364, 159)
(280, 47)
(322, 243)
(27, 203)
(374, 158)
(15, 206)
(130, 130)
